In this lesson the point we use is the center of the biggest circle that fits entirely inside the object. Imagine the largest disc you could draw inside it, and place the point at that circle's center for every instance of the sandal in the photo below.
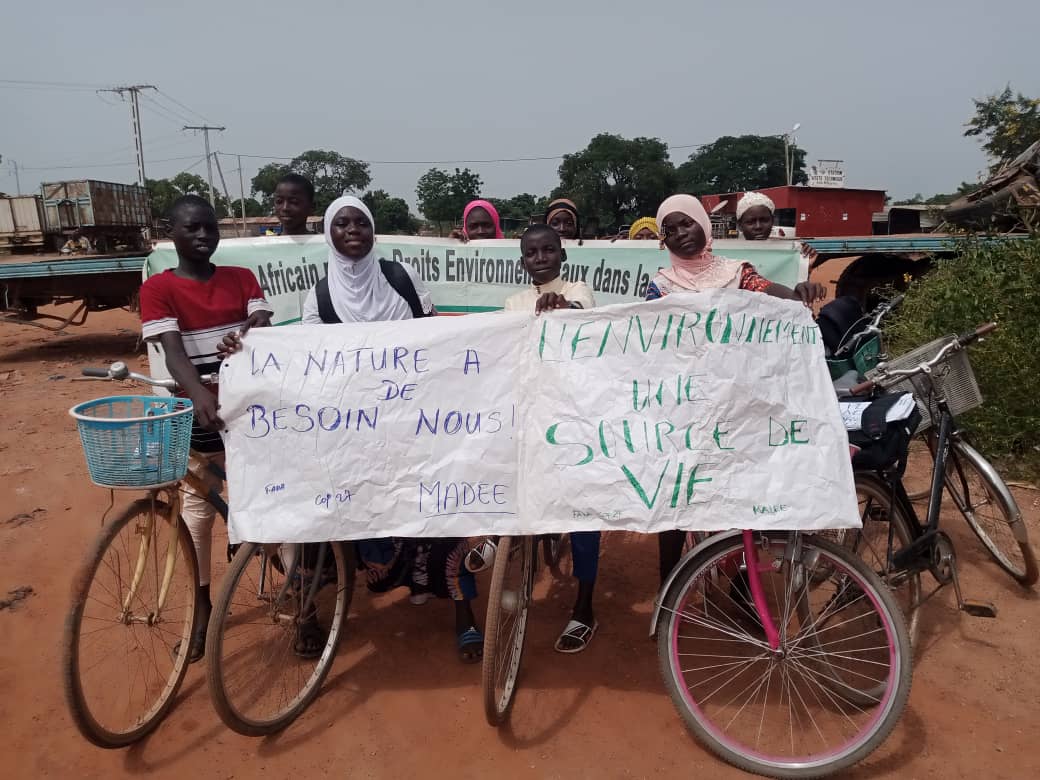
(197, 648)
(579, 632)
(310, 639)
(468, 639)
(481, 557)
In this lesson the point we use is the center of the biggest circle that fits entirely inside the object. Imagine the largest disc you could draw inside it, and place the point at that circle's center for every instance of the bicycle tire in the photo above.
(553, 548)
(712, 566)
(875, 495)
(84, 702)
(277, 607)
(1004, 537)
(509, 594)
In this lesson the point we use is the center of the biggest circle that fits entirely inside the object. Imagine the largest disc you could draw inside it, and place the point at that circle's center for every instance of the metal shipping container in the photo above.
(21, 221)
(68, 205)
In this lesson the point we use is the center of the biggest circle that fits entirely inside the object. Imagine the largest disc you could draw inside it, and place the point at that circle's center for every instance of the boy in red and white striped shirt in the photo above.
(188, 310)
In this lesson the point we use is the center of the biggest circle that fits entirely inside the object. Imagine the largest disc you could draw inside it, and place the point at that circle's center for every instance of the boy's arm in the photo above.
(184, 373)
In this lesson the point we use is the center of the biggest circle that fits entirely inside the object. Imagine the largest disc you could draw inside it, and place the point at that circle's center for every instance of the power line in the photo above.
(179, 103)
(102, 165)
(172, 114)
(448, 162)
(60, 85)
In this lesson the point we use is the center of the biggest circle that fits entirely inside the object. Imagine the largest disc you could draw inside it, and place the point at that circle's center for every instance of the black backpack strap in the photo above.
(326, 310)
(402, 284)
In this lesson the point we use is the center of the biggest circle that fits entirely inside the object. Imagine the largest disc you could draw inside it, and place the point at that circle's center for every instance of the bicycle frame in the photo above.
(145, 548)
(758, 596)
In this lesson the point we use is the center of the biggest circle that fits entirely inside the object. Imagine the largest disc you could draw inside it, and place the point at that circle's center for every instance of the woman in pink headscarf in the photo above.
(686, 234)
(479, 220)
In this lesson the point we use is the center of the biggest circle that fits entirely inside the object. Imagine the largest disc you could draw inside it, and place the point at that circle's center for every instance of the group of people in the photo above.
(199, 312)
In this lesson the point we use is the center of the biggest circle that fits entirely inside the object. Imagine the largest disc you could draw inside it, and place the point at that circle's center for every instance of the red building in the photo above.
(812, 211)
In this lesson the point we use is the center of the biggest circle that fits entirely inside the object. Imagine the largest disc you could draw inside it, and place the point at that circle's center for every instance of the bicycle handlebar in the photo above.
(851, 340)
(119, 370)
(976, 334)
(955, 343)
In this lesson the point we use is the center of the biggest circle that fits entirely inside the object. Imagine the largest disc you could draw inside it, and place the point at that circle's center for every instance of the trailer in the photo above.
(21, 222)
(871, 265)
(109, 214)
(94, 284)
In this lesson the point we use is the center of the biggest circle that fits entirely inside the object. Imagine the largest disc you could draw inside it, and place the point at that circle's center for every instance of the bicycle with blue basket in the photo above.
(134, 596)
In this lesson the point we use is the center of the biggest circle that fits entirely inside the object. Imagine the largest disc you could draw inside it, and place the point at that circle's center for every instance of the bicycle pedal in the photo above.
(981, 609)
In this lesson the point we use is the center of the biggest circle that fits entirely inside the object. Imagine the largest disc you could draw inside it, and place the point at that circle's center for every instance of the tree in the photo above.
(941, 199)
(442, 196)
(516, 212)
(1009, 123)
(739, 164)
(331, 173)
(254, 208)
(163, 192)
(391, 214)
(161, 195)
(616, 179)
(265, 182)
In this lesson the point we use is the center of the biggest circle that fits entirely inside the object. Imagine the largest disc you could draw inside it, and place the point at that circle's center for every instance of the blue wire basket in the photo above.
(133, 441)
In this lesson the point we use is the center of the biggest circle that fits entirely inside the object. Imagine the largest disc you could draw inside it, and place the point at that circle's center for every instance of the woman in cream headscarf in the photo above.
(686, 234)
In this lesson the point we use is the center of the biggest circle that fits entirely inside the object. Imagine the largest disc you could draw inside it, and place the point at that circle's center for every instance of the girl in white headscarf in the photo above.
(358, 286)
(755, 216)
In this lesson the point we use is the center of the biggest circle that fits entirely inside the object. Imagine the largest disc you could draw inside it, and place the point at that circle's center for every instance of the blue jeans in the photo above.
(585, 552)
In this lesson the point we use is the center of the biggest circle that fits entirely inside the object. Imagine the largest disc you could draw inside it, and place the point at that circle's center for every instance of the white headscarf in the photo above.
(752, 199)
(358, 288)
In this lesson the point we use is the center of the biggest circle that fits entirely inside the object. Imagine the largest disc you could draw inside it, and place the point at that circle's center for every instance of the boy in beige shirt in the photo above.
(543, 255)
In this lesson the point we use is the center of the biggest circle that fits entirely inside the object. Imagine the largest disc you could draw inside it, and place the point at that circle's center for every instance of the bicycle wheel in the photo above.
(133, 600)
(783, 714)
(258, 683)
(509, 601)
(990, 509)
(877, 513)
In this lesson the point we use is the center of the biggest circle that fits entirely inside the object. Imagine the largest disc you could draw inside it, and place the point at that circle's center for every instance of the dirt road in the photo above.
(398, 703)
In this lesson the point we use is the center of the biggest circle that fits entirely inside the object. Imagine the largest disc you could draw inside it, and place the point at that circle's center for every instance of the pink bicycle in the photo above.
(784, 653)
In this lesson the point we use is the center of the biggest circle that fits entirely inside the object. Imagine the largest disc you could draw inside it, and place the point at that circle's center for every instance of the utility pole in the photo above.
(227, 195)
(788, 146)
(209, 160)
(242, 194)
(17, 181)
(135, 122)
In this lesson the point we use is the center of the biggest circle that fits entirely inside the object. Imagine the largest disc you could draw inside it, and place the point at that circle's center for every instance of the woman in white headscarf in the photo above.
(755, 213)
(686, 234)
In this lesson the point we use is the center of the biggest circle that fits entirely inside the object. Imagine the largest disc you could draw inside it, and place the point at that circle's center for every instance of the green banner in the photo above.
(480, 275)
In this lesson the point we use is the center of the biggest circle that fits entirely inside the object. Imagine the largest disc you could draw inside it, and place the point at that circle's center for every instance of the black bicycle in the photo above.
(893, 541)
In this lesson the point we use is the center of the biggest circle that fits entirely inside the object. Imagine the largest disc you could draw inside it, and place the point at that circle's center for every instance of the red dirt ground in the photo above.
(398, 703)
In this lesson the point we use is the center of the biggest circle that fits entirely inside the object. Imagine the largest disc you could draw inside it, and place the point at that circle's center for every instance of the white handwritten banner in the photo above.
(708, 411)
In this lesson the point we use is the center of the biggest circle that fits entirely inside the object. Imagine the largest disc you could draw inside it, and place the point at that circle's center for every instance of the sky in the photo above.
(884, 86)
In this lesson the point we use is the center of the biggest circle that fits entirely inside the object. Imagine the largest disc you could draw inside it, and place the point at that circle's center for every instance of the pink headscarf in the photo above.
(689, 273)
(482, 204)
